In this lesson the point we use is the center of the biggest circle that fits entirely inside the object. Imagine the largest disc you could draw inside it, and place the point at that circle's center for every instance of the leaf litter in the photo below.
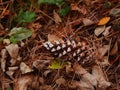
(27, 65)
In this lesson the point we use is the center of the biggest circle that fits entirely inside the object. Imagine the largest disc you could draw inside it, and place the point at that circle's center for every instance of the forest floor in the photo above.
(60, 45)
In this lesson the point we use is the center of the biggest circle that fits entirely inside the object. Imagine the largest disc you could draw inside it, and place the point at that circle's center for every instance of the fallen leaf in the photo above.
(107, 31)
(25, 68)
(83, 85)
(87, 22)
(103, 50)
(99, 30)
(13, 50)
(86, 76)
(6, 41)
(60, 81)
(104, 21)
(114, 11)
(57, 17)
(114, 49)
(98, 73)
(3, 59)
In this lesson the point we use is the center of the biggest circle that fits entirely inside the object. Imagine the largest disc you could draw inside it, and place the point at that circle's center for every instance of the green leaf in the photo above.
(57, 64)
(18, 34)
(56, 2)
(64, 12)
(10, 88)
(26, 17)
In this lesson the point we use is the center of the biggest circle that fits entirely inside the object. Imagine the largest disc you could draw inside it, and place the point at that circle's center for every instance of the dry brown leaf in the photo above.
(103, 50)
(98, 73)
(114, 49)
(25, 68)
(13, 50)
(86, 76)
(57, 17)
(52, 38)
(87, 22)
(23, 82)
(82, 85)
(6, 41)
(60, 81)
(107, 31)
(104, 21)
(3, 59)
(99, 30)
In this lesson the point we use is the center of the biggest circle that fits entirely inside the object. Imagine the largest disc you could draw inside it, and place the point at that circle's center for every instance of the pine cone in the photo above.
(72, 51)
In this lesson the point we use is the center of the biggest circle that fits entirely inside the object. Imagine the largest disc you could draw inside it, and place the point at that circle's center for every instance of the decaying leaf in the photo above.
(104, 21)
(23, 82)
(103, 50)
(60, 81)
(98, 73)
(114, 49)
(107, 31)
(52, 38)
(3, 59)
(86, 76)
(24, 68)
(99, 30)
(57, 17)
(6, 41)
(13, 50)
(87, 22)
(83, 85)
(114, 11)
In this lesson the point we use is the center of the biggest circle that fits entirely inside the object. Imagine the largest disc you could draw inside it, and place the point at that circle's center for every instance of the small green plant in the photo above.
(64, 11)
(57, 64)
(60, 3)
(56, 2)
(26, 17)
(10, 88)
